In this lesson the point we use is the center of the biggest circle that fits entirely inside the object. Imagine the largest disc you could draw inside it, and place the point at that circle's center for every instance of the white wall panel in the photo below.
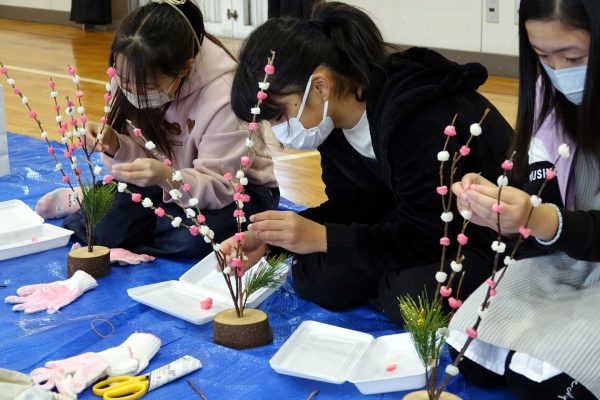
(61, 5)
(447, 24)
(44, 4)
(501, 38)
(55, 5)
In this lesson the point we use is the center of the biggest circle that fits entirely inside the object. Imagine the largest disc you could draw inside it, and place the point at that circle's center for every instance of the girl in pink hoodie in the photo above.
(173, 81)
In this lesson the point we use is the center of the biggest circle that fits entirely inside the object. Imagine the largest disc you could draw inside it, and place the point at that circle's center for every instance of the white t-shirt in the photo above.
(359, 137)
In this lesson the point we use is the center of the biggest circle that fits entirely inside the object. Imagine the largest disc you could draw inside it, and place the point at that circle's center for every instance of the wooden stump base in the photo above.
(252, 330)
(422, 395)
(96, 263)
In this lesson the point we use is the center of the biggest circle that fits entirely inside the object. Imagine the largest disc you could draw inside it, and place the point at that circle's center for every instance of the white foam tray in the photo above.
(332, 354)
(182, 298)
(23, 232)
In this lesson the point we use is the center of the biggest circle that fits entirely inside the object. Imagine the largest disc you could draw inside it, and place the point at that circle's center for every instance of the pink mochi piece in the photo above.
(445, 291)
(507, 165)
(454, 303)
(525, 232)
(450, 130)
(206, 304)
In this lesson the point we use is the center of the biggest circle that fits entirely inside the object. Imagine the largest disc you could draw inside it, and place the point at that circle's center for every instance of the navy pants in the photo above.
(131, 226)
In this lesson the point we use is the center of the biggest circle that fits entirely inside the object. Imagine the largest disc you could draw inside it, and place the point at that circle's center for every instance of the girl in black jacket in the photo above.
(376, 115)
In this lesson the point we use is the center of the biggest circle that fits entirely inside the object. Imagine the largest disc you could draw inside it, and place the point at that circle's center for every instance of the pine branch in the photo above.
(96, 201)
(269, 273)
(424, 320)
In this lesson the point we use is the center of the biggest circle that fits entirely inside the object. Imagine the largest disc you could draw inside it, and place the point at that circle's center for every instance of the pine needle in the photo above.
(425, 322)
(269, 273)
(97, 201)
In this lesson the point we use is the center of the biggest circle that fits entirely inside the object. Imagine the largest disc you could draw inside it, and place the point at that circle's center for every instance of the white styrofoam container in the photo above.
(332, 354)
(182, 298)
(23, 232)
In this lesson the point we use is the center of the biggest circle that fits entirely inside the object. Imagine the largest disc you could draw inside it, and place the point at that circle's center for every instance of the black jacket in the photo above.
(386, 214)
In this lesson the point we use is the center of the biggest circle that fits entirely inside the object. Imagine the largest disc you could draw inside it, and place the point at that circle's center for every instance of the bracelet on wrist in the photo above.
(558, 231)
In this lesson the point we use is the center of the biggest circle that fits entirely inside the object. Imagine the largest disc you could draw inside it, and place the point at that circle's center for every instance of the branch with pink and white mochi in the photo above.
(425, 320)
(95, 200)
(270, 273)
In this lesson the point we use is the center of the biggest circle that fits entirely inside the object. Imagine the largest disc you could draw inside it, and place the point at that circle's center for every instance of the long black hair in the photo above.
(340, 37)
(581, 123)
(154, 39)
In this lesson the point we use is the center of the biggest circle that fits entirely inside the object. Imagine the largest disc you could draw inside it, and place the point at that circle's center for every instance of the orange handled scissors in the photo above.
(122, 387)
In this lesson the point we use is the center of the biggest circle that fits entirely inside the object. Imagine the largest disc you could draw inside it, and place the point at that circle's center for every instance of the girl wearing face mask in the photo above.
(376, 115)
(173, 81)
(540, 333)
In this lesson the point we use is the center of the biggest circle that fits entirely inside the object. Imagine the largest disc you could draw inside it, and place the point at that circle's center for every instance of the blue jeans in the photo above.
(131, 226)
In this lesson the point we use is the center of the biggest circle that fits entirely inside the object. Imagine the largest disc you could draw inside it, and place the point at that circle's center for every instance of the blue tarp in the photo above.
(28, 341)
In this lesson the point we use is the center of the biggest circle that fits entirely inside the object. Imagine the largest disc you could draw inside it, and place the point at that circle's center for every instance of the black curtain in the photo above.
(91, 12)
(291, 8)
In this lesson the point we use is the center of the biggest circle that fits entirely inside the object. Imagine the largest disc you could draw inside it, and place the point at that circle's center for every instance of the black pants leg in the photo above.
(167, 241)
(413, 281)
(338, 287)
(138, 229)
(127, 224)
(477, 374)
(331, 286)
(558, 387)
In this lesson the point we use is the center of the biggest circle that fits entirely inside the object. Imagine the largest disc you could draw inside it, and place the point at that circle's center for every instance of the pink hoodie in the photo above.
(212, 139)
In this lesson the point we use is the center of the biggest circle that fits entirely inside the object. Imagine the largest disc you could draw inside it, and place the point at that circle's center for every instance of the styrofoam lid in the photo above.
(321, 352)
(200, 270)
(205, 275)
(182, 298)
(16, 215)
(333, 354)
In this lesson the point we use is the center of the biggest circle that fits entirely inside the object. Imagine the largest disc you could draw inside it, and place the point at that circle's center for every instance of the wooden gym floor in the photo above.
(34, 52)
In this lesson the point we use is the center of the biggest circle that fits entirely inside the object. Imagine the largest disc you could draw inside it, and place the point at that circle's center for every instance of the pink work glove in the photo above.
(126, 257)
(123, 256)
(51, 296)
(73, 375)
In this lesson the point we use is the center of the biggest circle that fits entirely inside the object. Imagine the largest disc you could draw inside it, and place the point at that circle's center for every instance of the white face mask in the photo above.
(294, 135)
(150, 100)
(568, 81)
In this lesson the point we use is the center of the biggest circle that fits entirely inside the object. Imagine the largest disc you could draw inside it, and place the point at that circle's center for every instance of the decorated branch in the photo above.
(499, 247)
(94, 200)
(426, 320)
(233, 270)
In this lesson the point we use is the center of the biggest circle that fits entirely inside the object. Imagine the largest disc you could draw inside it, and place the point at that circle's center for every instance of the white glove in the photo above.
(72, 375)
(140, 348)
